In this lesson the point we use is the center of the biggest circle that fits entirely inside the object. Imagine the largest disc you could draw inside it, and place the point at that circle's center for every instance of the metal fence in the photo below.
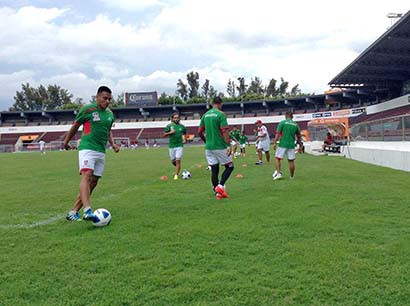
(386, 129)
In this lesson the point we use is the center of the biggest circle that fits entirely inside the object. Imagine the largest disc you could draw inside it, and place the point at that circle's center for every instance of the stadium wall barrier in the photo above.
(394, 103)
(394, 155)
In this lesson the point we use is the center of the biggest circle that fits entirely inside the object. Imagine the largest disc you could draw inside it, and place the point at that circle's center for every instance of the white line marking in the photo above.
(35, 224)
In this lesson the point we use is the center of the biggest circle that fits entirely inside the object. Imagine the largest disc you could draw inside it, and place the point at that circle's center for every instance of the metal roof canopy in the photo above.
(384, 64)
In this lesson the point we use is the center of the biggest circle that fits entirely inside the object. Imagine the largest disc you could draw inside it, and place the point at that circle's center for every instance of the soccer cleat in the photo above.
(73, 216)
(175, 177)
(277, 176)
(292, 178)
(219, 189)
(88, 215)
(218, 196)
(259, 163)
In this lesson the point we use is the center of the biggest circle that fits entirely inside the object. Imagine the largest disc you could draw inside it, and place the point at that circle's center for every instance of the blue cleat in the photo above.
(88, 215)
(73, 216)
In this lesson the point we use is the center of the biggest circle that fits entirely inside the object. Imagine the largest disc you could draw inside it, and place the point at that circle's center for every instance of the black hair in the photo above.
(103, 89)
(173, 114)
(217, 100)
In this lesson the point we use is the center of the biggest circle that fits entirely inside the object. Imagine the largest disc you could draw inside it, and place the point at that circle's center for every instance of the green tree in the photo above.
(295, 91)
(271, 90)
(182, 89)
(256, 86)
(205, 89)
(241, 87)
(283, 87)
(41, 98)
(212, 92)
(193, 83)
(231, 89)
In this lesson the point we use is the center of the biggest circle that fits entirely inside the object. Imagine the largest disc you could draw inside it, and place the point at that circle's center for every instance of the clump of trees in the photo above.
(190, 91)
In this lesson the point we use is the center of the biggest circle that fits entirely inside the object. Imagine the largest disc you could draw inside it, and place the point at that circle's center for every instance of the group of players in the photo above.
(97, 120)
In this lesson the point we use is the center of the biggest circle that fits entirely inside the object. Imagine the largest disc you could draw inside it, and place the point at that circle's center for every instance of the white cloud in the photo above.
(132, 5)
(306, 42)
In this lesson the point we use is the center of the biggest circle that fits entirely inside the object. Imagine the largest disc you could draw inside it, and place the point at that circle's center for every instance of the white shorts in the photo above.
(91, 160)
(242, 146)
(215, 157)
(264, 145)
(176, 153)
(233, 142)
(282, 152)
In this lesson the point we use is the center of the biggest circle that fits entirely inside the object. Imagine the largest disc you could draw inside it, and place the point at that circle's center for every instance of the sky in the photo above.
(147, 45)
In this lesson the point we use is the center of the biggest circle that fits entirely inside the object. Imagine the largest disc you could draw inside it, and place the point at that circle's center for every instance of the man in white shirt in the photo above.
(42, 146)
(263, 142)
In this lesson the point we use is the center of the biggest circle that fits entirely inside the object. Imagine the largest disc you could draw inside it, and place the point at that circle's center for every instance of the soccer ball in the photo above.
(209, 168)
(102, 217)
(237, 154)
(186, 175)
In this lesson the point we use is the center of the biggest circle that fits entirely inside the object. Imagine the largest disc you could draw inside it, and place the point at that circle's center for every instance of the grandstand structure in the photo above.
(375, 86)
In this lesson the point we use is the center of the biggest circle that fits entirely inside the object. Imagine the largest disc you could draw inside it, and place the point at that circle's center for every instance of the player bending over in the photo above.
(213, 130)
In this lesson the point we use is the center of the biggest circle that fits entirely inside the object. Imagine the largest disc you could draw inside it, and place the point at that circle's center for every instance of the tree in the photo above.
(283, 87)
(193, 82)
(271, 90)
(230, 88)
(241, 87)
(212, 92)
(205, 89)
(256, 86)
(182, 89)
(295, 91)
(41, 98)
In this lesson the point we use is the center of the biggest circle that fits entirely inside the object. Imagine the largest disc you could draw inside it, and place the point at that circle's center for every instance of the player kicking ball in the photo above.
(97, 120)
(175, 131)
(214, 131)
(286, 132)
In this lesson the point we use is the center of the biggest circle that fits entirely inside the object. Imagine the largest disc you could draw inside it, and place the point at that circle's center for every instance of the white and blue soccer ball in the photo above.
(237, 154)
(186, 175)
(102, 217)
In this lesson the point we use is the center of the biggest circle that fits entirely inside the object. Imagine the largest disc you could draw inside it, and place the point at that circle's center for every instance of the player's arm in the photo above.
(299, 140)
(201, 133)
(74, 128)
(168, 131)
(225, 136)
(114, 146)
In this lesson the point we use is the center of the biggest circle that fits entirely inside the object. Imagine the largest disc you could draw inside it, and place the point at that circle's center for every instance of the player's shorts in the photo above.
(176, 153)
(242, 146)
(91, 160)
(282, 152)
(233, 142)
(264, 145)
(215, 157)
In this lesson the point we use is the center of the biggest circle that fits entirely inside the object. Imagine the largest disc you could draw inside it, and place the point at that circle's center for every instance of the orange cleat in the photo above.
(221, 191)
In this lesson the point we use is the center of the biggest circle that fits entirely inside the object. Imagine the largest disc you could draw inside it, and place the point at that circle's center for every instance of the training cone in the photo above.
(164, 177)
(239, 176)
(199, 165)
(244, 165)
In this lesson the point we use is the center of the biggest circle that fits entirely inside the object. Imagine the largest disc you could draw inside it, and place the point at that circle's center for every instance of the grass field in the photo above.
(336, 235)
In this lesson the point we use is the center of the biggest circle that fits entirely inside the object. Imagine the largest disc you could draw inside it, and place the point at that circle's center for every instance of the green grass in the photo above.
(336, 235)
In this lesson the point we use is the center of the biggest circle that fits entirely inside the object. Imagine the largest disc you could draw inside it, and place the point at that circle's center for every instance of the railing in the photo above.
(395, 128)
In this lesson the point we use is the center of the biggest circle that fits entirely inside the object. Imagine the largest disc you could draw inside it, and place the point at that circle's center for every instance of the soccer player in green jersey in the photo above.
(234, 136)
(287, 132)
(213, 130)
(175, 130)
(243, 140)
(97, 120)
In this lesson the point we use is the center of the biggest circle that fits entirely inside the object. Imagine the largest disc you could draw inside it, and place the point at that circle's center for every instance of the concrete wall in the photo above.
(394, 155)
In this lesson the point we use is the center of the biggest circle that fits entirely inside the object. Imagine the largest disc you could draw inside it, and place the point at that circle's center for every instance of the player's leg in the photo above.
(280, 153)
(291, 159)
(225, 160)
(259, 151)
(78, 203)
(178, 157)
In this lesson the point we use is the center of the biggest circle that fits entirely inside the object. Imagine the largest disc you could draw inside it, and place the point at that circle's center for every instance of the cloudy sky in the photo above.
(146, 45)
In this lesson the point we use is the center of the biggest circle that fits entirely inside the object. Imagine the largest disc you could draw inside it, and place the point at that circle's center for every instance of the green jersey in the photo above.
(213, 121)
(234, 134)
(175, 139)
(243, 139)
(288, 128)
(97, 125)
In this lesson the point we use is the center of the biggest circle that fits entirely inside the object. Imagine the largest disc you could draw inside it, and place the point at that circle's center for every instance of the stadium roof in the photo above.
(384, 64)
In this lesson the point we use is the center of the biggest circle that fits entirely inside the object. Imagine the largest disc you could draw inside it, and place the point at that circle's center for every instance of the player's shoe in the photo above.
(221, 190)
(73, 216)
(277, 175)
(218, 196)
(259, 163)
(292, 178)
(88, 215)
(175, 177)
